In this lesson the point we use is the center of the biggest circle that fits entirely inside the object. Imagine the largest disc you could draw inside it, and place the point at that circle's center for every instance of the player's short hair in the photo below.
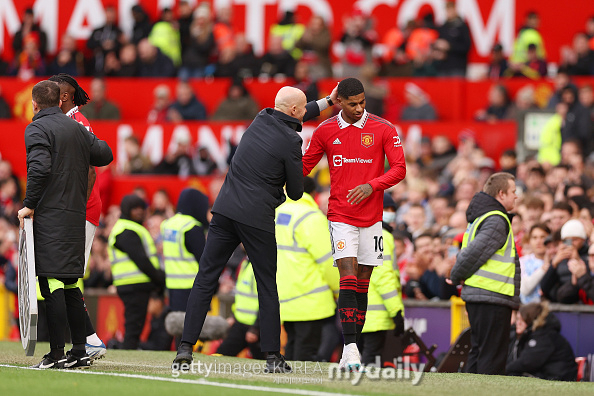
(498, 182)
(46, 94)
(350, 87)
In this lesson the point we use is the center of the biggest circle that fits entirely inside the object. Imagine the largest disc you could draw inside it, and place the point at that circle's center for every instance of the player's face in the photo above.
(352, 107)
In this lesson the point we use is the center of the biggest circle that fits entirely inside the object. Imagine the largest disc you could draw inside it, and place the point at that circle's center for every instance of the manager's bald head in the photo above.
(291, 101)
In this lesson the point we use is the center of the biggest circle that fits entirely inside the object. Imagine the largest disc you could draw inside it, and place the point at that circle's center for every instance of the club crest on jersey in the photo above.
(340, 245)
(367, 139)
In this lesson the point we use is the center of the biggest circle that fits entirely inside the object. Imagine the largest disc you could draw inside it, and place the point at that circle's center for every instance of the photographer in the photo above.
(573, 248)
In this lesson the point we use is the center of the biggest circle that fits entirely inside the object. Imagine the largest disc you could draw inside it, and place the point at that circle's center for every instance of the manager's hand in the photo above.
(24, 213)
(359, 193)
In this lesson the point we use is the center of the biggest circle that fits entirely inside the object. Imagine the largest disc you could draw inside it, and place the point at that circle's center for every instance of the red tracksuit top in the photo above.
(356, 154)
(94, 202)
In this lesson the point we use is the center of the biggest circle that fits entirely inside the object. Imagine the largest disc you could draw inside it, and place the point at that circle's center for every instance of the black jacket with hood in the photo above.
(268, 157)
(490, 237)
(59, 153)
(543, 352)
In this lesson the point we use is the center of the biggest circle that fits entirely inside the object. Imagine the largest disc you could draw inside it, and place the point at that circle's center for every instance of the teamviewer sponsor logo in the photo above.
(338, 160)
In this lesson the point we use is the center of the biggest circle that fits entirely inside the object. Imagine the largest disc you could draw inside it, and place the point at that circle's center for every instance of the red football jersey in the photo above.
(94, 202)
(356, 154)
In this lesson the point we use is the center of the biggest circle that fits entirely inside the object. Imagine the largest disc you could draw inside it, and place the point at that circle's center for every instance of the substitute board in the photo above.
(27, 288)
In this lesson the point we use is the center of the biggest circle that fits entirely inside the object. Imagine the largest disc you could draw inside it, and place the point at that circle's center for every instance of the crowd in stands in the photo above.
(553, 224)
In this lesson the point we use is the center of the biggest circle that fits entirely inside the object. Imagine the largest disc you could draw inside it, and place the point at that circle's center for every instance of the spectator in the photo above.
(375, 91)
(129, 63)
(562, 79)
(579, 60)
(165, 36)
(68, 60)
(578, 124)
(534, 67)
(527, 35)
(203, 162)
(498, 64)
(304, 82)
(561, 213)
(535, 264)
(184, 21)
(152, 62)
(419, 108)
(509, 162)
(315, 44)
(549, 151)
(29, 62)
(539, 349)
(142, 24)
(249, 66)
(354, 49)
(161, 205)
(136, 162)
(99, 108)
(227, 64)
(498, 107)
(277, 61)
(582, 279)
(590, 31)
(223, 29)
(196, 60)
(586, 96)
(457, 34)
(554, 283)
(394, 61)
(99, 268)
(29, 27)
(238, 105)
(177, 161)
(105, 39)
(290, 32)
(419, 45)
(161, 104)
(186, 106)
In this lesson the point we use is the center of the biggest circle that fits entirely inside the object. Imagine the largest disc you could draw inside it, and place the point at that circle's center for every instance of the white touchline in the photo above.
(292, 391)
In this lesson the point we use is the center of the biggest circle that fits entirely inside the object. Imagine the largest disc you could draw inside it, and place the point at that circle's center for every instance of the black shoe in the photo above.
(77, 362)
(184, 358)
(275, 363)
(49, 363)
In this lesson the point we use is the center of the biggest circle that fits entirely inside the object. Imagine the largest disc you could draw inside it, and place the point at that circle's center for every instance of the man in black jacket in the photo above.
(268, 157)
(59, 153)
(490, 269)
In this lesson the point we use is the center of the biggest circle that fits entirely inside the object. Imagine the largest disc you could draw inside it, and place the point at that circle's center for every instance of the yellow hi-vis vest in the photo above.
(181, 266)
(245, 309)
(384, 298)
(305, 277)
(497, 274)
(123, 270)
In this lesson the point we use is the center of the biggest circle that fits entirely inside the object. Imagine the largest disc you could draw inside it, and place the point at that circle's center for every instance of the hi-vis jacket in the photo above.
(305, 277)
(124, 271)
(385, 295)
(245, 309)
(488, 262)
(181, 266)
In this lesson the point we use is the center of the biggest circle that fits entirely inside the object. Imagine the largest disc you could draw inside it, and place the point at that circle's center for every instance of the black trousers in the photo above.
(63, 305)
(489, 338)
(303, 339)
(372, 345)
(224, 235)
(178, 299)
(135, 298)
(235, 342)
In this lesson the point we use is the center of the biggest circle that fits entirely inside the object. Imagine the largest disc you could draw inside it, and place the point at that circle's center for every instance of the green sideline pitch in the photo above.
(129, 373)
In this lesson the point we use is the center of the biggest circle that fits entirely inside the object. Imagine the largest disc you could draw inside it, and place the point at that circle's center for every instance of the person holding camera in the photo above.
(572, 253)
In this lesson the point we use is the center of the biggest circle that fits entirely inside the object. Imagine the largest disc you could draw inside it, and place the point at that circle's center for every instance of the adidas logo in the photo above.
(337, 141)
(381, 256)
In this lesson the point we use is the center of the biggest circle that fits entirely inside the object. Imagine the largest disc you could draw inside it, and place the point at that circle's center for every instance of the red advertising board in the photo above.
(489, 21)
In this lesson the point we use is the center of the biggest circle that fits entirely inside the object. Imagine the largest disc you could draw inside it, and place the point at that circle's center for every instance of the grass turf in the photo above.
(150, 373)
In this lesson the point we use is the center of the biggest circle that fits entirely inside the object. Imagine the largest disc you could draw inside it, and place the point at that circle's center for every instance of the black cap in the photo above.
(389, 202)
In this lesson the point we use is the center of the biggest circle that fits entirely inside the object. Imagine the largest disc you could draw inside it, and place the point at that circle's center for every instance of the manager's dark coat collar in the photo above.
(291, 122)
(47, 111)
